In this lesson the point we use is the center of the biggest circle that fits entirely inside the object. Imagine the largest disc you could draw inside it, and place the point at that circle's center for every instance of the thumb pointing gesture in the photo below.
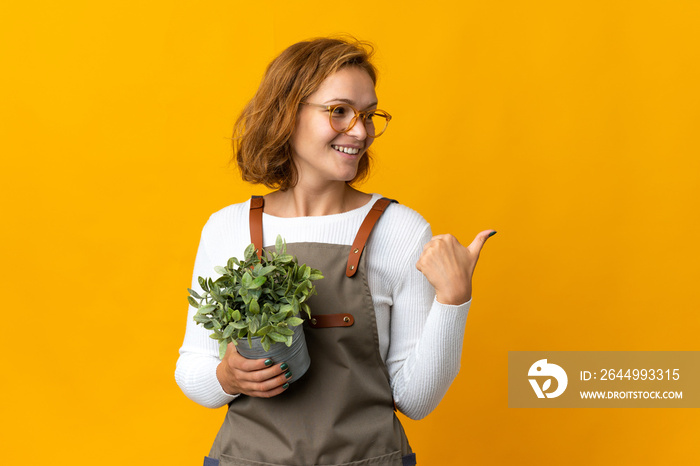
(449, 266)
(478, 243)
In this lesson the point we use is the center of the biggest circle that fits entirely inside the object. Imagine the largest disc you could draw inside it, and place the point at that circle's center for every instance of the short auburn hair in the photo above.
(262, 133)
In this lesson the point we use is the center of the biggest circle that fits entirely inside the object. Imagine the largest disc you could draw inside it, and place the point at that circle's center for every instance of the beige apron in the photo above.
(341, 411)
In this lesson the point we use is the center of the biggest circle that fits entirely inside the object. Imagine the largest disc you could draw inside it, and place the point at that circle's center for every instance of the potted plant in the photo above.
(259, 300)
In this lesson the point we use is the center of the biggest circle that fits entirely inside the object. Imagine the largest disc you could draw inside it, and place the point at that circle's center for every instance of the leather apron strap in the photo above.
(363, 234)
(256, 232)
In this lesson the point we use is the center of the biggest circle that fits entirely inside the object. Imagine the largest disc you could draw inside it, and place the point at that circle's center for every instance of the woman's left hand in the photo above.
(449, 266)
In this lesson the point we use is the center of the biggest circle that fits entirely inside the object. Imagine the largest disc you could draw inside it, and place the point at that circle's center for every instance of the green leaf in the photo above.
(279, 317)
(265, 342)
(217, 297)
(285, 259)
(203, 283)
(305, 307)
(256, 294)
(249, 252)
(286, 308)
(253, 325)
(315, 275)
(254, 307)
(284, 331)
(277, 337)
(207, 309)
(220, 270)
(247, 280)
(264, 330)
(289, 341)
(269, 308)
(236, 315)
(301, 289)
(194, 293)
(217, 324)
(229, 331)
(257, 283)
(201, 318)
(193, 302)
(280, 245)
(222, 349)
(294, 321)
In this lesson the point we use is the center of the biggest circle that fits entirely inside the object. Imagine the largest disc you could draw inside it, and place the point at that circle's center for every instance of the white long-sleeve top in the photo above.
(420, 339)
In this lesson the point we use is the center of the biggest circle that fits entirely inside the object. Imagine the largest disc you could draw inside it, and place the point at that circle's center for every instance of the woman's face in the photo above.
(316, 147)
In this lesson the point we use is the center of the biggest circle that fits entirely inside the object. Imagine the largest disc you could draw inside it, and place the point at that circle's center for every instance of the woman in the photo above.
(306, 133)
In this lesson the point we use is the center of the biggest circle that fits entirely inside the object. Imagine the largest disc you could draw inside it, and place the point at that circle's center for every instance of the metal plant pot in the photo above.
(296, 355)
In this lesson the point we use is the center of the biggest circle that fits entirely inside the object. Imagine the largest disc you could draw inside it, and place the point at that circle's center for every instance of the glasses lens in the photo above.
(341, 117)
(376, 123)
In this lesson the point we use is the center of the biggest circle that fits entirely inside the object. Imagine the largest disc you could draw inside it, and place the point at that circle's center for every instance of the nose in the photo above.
(358, 131)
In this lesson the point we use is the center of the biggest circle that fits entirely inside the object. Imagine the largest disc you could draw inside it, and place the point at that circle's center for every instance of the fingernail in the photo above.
(284, 366)
(268, 362)
(492, 233)
(288, 374)
(285, 386)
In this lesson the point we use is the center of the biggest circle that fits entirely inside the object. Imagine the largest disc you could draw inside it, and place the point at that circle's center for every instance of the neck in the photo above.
(309, 201)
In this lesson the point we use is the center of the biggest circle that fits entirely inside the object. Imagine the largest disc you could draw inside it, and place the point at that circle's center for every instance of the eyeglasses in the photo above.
(343, 117)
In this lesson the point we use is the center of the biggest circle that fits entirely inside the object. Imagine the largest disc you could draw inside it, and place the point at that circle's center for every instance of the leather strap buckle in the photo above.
(331, 320)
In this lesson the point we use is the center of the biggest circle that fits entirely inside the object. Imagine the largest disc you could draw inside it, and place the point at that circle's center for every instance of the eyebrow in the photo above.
(349, 101)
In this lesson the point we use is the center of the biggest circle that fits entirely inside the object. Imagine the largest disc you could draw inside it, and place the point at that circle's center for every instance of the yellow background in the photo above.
(570, 127)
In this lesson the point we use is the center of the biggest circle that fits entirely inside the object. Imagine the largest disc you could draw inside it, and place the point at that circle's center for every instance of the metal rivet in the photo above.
(356, 251)
(352, 267)
(313, 321)
(346, 319)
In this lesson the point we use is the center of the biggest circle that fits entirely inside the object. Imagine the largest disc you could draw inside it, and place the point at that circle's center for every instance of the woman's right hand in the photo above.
(252, 377)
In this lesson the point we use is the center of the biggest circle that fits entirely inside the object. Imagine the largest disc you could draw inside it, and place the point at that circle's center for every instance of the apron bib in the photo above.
(341, 411)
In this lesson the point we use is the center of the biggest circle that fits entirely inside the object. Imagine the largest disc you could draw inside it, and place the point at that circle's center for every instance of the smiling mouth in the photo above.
(346, 150)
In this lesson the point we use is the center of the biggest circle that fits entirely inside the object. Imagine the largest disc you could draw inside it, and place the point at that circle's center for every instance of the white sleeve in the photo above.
(426, 340)
(195, 372)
